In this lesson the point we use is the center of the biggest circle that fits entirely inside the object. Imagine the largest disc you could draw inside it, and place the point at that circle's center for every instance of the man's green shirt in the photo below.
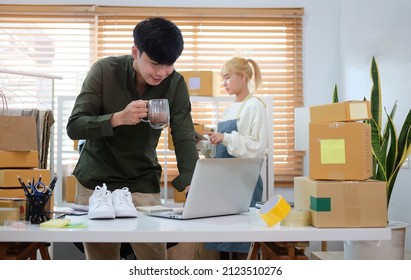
(126, 155)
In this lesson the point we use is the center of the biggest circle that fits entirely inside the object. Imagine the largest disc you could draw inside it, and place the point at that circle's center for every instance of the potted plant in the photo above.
(389, 149)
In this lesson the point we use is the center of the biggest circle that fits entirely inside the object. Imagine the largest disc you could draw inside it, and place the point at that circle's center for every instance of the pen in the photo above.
(52, 185)
(23, 185)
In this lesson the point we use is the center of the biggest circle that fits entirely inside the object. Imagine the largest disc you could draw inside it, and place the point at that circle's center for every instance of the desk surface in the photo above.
(244, 227)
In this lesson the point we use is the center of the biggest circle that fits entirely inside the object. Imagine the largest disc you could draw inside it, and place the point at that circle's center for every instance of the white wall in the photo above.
(380, 28)
(340, 38)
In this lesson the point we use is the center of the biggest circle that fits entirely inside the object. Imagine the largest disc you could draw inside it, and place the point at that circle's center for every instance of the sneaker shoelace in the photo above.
(124, 196)
(100, 190)
(102, 195)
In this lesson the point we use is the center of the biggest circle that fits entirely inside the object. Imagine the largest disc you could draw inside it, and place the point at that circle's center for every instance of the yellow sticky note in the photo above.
(56, 223)
(332, 151)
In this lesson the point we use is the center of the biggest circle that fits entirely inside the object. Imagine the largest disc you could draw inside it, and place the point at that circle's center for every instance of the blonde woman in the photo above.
(242, 128)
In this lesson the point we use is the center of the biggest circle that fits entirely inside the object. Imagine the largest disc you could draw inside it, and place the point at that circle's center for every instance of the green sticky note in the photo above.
(332, 151)
(320, 204)
(75, 225)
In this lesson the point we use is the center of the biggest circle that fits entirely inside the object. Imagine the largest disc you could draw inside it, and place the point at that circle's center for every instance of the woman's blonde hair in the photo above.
(238, 65)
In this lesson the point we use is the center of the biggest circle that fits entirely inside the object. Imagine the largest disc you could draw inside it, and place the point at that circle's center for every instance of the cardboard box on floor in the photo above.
(70, 187)
(340, 151)
(347, 203)
(347, 111)
(202, 83)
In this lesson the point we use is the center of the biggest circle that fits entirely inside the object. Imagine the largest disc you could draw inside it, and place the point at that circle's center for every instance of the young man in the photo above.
(120, 149)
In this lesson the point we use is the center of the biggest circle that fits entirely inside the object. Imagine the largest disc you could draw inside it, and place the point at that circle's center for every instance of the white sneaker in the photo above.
(123, 204)
(101, 204)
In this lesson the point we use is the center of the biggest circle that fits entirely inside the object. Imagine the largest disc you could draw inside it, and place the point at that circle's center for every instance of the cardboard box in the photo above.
(75, 145)
(21, 133)
(15, 192)
(347, 203)
(11, 188)
(18, 193)
(341, 112)
(340, 151)
(302, 189)
(19, 203)
(8, 177)
(19, 159)
(200, 128)
(8, 214)
(202, 83)
(179, 197)
(70, 187)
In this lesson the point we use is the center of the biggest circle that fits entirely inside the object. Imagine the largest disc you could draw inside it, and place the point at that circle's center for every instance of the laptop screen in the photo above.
(222, 186)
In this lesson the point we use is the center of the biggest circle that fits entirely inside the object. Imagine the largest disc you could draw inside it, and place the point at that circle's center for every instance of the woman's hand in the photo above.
(216, 138)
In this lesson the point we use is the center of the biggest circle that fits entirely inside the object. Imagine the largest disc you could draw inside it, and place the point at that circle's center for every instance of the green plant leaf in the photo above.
(335, 94)
(391, 138)
(404, 140)
(378, 156)
(375, 99)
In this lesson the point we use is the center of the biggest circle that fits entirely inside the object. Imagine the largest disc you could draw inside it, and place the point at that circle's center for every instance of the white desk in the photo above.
(244, 227)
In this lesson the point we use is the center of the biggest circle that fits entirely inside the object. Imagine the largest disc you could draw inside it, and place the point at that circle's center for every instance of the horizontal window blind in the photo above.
(56, 40)
(66, 40)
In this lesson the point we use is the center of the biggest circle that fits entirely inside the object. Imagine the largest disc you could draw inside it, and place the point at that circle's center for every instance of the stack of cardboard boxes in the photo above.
(19, 156)
(338, 191)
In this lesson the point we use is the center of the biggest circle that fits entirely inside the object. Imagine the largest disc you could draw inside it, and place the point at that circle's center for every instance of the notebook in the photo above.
(220, 186)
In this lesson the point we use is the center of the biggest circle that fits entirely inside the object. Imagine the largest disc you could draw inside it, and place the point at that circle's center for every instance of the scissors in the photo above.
(38, 188)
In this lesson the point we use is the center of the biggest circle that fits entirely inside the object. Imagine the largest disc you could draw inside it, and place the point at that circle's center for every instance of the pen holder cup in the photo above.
(36, 203)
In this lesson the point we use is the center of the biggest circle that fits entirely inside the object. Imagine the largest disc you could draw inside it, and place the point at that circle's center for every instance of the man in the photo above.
(120, 149)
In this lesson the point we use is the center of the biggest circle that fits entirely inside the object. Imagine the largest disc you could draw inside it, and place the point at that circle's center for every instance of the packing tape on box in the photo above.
(9, 214)
(297, 218)
(274, 210)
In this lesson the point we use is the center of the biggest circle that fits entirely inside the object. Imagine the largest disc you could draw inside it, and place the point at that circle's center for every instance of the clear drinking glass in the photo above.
(158, 113)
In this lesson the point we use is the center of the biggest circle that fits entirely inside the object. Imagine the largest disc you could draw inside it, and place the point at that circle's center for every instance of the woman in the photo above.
(242, 129)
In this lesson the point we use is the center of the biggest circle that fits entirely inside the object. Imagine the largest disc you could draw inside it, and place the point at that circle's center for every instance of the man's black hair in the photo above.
(160, 39)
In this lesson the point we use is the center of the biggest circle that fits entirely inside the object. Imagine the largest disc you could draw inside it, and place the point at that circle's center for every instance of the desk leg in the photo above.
(278, 250)
(324, 246)
(252, 253)
(44, 252)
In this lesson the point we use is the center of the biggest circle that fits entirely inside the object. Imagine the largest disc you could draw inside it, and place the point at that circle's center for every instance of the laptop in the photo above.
(220, 186)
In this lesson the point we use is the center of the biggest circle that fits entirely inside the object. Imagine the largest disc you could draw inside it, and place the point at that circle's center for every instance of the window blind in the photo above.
(66, 40)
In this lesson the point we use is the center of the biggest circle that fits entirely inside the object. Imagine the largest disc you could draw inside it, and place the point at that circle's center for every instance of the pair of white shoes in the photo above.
(106, 205)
